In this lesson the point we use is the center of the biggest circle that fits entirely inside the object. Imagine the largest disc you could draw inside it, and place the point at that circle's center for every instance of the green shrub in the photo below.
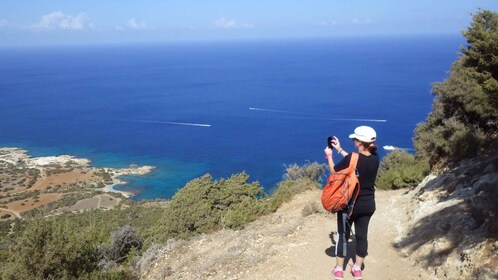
(48, 250)
(51, 247)
(243, 213)
(312, 171)
(123, 240)
(111, 274)
(464, 116)
(400, 169)
(287, 189)
(201, 206)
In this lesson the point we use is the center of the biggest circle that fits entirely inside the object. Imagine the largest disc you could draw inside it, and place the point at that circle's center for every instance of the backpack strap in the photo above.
(352, 163)
(354, 160)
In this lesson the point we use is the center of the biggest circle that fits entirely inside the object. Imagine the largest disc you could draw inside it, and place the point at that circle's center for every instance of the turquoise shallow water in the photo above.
(166, 178)
(120, 105)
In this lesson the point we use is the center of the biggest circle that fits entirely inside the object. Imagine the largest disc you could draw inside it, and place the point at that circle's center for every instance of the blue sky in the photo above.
(36, 22)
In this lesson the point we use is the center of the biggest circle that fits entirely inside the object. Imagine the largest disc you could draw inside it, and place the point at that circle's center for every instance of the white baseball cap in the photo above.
(364, 134)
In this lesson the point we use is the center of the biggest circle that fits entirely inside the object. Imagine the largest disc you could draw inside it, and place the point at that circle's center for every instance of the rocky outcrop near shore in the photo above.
(452, 227)
(28, 183)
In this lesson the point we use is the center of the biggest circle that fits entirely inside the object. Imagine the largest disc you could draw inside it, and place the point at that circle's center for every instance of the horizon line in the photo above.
(227, 40)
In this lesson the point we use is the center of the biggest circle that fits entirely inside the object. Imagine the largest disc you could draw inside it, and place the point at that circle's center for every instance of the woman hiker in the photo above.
(368, 163)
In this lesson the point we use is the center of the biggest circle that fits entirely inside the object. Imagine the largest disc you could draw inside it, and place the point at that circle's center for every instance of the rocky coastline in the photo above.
(27, 182)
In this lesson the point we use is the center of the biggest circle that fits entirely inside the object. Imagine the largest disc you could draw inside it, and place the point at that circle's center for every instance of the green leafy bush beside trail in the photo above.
(203, 205)
(464, 117)
(47, 249)
(400, 169)
(52, 247)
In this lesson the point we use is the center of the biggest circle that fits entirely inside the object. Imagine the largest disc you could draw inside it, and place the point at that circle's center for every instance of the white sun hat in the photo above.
(364, 134)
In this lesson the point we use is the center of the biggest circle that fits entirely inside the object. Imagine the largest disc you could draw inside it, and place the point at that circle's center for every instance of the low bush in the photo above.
(148, 258)
(5, 216)
(243, 213)
(311, 209)
(123, 240)
(202, 205)
(47, 250)
(287, 189)
(400, 169)
(312, 171)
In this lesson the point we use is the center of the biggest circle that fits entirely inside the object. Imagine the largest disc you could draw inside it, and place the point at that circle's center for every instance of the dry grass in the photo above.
(21, 206)
(59, 179)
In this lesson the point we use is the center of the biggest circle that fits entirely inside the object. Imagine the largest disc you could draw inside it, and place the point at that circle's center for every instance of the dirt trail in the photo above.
(286, 245)
(310, 256)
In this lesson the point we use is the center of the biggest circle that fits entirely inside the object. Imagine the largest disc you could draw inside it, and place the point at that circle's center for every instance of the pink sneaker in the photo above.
(356, 273)
(338, 274)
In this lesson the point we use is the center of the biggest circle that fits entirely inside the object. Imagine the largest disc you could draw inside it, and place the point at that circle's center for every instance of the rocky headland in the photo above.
(28, 183)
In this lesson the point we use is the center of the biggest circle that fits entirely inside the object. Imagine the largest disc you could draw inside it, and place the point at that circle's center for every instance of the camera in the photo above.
(329, 142)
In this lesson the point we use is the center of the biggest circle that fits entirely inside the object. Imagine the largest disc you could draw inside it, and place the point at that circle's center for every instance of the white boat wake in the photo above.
(167, 122)
(304, 113)
(392, 148)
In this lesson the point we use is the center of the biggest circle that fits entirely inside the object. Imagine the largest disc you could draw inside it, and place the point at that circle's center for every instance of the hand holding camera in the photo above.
(333, 143)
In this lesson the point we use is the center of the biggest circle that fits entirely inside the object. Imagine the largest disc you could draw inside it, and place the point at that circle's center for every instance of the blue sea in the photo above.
(221, 107)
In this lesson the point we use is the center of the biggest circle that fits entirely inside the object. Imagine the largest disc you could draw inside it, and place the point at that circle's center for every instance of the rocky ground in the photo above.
(452, 229)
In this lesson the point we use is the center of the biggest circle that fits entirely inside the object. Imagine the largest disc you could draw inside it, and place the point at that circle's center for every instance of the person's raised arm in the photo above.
(330, 160)
(337, 145)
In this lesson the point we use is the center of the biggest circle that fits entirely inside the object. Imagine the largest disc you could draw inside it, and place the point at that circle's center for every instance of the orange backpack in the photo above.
(341, 188)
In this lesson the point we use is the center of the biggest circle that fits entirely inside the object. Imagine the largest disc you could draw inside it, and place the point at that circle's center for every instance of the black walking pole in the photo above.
(344, 241)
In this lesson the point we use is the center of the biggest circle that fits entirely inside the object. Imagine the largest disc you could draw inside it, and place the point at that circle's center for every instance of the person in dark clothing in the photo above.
(368, 163)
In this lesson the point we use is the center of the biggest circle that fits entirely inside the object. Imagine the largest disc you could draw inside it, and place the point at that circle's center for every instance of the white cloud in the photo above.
(58, 20)
(230, 24)
(362, 21)
(134, 24)
(328, 23)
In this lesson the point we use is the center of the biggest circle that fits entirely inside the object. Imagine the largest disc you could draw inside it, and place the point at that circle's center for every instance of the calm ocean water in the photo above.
(185, 108)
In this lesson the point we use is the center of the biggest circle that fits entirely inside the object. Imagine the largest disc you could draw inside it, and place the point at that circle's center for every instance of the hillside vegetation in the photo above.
(101, 244)
(452, 229)
(399, 170)
(463, 123)
(464, 118)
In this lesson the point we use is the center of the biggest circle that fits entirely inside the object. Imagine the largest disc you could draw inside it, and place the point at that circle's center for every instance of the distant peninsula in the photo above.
(57, 183)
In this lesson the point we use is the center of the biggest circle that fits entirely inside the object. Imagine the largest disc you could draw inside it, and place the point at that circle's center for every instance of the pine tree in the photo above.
(464, 117)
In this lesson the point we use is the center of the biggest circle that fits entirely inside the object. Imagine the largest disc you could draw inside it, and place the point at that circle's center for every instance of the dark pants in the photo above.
(360, 219)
